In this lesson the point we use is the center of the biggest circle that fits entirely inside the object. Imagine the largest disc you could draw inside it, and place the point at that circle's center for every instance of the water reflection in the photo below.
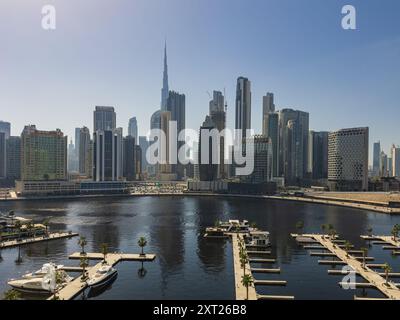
(187, 265)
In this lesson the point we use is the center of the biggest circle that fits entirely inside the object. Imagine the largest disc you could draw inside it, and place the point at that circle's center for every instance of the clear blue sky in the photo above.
(110, 53)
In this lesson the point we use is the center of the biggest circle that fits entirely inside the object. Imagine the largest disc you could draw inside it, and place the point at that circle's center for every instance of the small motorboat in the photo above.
(103, 276)
(42, 271)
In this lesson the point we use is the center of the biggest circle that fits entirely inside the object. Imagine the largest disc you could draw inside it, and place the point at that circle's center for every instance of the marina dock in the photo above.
(240, 289)
(372, 278)
(76, 286)
(50, 237)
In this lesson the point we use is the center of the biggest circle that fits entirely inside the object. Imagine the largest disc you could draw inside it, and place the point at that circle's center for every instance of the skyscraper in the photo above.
(14, 158)
(271, 130)
(3, 157)
(176, 105)
(293, 144)
(348, 159)
(395, 161)
(208, 171)
(218, 117)
(43, 155)
(72, 161)
(318, 155)
(85, 152)
(143, 144)
(261, 155)
(383, 172)
(268, 104)
(165, 88)
(6, 128)
(133, 129)
(104, 118)
(107, 155)
(243, 105)
(376, 159)
(130, 158)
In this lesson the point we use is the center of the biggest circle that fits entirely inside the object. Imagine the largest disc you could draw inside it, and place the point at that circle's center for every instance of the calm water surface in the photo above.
(187, 265)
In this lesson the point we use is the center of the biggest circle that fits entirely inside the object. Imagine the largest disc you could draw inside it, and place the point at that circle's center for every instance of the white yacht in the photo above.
(258, 238)
(41, 285)
(102, 276)
(42, 271)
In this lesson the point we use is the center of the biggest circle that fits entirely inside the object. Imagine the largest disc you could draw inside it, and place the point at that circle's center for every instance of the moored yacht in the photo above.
(103, 276)
(41, 285)
(258, 238)
(42, 271)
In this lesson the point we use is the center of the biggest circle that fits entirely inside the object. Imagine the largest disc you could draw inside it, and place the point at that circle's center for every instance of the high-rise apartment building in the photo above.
(43, 155)
(208, 169)
(395, 151)
(293, 144)
(108, 155)
(3, 155)
(348, 159)
(260, 147)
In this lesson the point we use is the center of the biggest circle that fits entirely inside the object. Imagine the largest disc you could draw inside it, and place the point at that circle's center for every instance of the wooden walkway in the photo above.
(390, 290)
(240, 289)
(52, 236)
(384, 239)
(73, 288)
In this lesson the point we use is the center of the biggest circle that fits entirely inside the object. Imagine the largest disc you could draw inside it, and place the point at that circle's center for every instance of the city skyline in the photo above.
(342, 66)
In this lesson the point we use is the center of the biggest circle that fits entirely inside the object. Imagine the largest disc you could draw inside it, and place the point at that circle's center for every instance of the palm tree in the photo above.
(387, 268)
(104, 251)
(11, 214)
(347, 247)
(82, 243)
(323, 228)
(395, 231)
(142, 242)
(217, 223)
(46, 224)
(364, 252)
(29, 227)
(247, 281)
(83, 264)
(59, 282)
(332, 233)
(253, 225)
(18, 226)
(370, 230)
(244, 259)
(300, 226)
(11, 295)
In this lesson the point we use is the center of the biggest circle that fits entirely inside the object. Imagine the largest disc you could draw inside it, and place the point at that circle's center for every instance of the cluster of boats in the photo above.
(51, 277)
(253, 236)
